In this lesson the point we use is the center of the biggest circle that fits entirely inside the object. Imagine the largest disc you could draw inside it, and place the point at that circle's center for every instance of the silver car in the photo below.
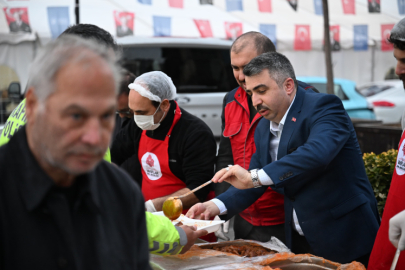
(387, 98)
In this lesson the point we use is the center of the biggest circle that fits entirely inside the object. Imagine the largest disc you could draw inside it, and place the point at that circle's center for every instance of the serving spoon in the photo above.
(394, 262)
(172, 206)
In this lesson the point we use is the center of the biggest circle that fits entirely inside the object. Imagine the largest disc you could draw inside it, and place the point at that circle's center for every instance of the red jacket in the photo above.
(269, 208)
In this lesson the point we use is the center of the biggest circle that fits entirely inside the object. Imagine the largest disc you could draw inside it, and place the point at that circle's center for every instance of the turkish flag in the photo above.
(233, 30)
(264, 5)
(348, 7)
(204, 27)
(385, 34)
(176, 3)
(302, 40)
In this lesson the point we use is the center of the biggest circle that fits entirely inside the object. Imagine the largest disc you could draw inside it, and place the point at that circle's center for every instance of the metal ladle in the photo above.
(172, 206)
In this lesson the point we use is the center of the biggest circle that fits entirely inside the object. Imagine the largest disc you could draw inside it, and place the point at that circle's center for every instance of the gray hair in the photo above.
(67, 49)
(278, 66)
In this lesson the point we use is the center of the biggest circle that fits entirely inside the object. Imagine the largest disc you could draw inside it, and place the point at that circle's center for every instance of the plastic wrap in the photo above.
(352, 266)
(304, 260)
(199, 257)
(195, 258)
(202, 256)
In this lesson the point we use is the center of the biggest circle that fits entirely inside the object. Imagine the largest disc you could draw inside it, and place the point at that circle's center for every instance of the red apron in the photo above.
(157, 178)
(383, 251)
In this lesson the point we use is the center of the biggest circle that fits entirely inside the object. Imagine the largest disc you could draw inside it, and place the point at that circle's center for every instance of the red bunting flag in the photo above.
(334, 31)
(17, 19)
(302, 40)
(176, 3)
(124, 23)
(348, 7)
(385, 34)
(264, 5)
(204, 27)
(233, 30)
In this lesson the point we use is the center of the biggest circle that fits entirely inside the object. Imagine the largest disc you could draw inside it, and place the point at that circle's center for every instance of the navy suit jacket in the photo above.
(320, 171)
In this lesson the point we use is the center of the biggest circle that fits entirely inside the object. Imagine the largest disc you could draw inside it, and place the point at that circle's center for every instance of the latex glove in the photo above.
(149, 206)
(224, 228)
(397, 230)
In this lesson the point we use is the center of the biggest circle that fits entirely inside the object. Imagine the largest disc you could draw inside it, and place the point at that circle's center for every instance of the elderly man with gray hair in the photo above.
(60, 204)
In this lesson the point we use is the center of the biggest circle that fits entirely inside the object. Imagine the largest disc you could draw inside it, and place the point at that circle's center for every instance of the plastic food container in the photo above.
(209, 225)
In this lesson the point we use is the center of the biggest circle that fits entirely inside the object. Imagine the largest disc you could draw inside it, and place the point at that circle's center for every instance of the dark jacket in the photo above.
(239, 121)
(321, 173)
(192, 149)
(97, 223)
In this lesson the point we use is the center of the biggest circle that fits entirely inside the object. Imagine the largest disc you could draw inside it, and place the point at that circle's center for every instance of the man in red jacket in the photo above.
(383, 251)
(264, 218)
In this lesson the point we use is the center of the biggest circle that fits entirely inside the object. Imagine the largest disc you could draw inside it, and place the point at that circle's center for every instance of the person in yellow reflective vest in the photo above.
(166, 239)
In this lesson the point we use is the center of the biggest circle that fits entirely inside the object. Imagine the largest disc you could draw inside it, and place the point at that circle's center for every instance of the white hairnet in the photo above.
(154, 85)
(398, 32)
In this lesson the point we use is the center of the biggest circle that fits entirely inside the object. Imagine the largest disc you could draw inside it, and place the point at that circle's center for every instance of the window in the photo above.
(337, 89)
(193, 70)
(368, 91)
(9, 92)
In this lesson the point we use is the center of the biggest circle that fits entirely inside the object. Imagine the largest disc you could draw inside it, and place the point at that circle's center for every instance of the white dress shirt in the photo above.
(276, 130)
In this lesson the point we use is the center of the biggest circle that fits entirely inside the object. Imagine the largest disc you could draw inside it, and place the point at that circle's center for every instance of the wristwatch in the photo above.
(255, 178)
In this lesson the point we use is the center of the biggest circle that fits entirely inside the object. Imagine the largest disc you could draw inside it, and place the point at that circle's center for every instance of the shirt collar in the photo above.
(274, 127)
(34, 183)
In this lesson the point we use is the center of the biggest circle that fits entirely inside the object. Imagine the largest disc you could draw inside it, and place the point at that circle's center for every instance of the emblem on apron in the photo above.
(151, 166)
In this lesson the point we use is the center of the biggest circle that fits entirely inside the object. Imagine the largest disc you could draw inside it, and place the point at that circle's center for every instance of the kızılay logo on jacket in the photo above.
(400, 166)
(151, 166)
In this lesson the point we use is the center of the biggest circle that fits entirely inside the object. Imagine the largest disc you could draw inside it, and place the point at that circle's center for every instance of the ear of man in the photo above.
(31, 103)
(289, 86)
(165, 105)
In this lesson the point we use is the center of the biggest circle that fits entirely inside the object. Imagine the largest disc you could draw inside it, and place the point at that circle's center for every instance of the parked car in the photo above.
(200, 70)
(355, 104)
(387, 99)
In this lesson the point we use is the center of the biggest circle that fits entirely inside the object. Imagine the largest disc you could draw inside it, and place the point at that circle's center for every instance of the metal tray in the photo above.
(234, 243)
(310, 263)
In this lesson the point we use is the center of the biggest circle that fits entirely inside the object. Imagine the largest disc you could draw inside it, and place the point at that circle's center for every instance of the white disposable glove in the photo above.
(149, 206)
(397, 230)
(224, 228)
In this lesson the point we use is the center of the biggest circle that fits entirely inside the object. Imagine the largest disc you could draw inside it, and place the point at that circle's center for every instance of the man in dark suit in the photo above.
(306, 149)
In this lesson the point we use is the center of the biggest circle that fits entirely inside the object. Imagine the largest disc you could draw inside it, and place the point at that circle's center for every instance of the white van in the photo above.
(200, 69)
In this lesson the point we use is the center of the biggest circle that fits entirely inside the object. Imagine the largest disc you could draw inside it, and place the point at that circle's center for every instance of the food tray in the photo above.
(236, 244)
(273, 245)
(310, 263)
(209, 225)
